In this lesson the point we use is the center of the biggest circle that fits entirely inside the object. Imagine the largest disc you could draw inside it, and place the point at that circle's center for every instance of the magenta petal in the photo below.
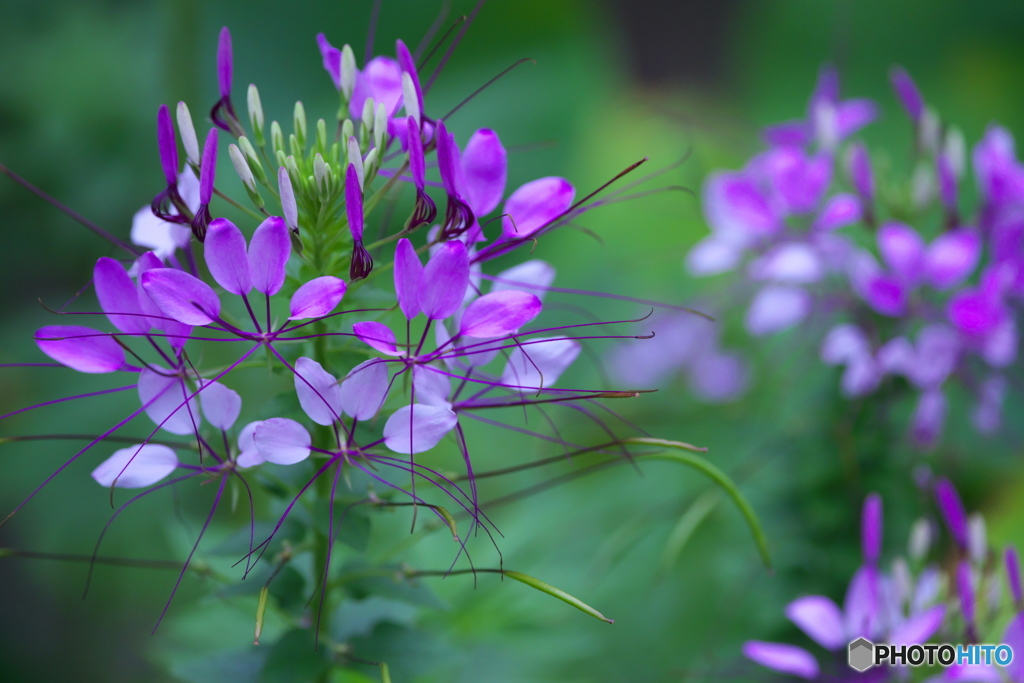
(444, 281)
(871, 528)
(226, 257)
(787, 659)
(224, 62)
(499, 313)
(952, 257)
(136, 466)
(177, 333)
(884, 293)
(535, 205)
(318, 391)
(799, 180)
(117, 294)
(269, 250)
(364, 389)
(377, 335)
(840, 211)
(417, 428)
(776, 308)
(317, 298)
(282, 441)
(1014, 637)
(952, 510)
(860, 172)
(181, 296)
(902, 250)
(736, 207)
(919, 628)
(221, 405)
(208, 167)
(819, 618)
(163, 398)
(907, 92)
(788, 133)
(408, 275)
(852, 115)
(80, 348)
(166, 144)
(484, 171)
(538, 365)
(533, 276)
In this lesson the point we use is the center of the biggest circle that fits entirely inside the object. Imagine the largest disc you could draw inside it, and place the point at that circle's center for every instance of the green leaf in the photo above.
(560, 594)
(238, 667)
(293, 658)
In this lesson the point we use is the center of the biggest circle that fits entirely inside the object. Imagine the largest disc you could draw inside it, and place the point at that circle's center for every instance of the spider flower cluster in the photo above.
(937, 592)
(902, 277)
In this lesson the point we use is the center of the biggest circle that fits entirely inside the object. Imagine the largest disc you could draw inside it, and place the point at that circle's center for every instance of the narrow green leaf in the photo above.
(696, 513)
(385, 673)
(560, 594)
(261, 610)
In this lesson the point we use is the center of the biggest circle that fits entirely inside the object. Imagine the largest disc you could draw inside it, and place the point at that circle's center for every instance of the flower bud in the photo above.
(977, 541)
(955, 149)
(300, 124)
(348, 71)
(188, 135)
(241, 167)
(380, 126)
(370, 163)
(920, 540)
(252, 159)
(356, 160)
(288, 205)
(321, 135)
(922, 186)
(368, 113)
(276, 137)
(255, 113)
(320, 171)
(347, 129)
(929, 130)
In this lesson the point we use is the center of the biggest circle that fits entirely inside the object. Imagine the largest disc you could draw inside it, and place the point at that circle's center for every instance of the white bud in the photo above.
(276, 137)
(355, 158)
(929, 130)
(288, 205)
(903, 584)
(977, 541)
(368, 112)
(320, 172)
(409, 99)
(252, 158)
(241, 167)
(188, 134)
(370, 161)
(922, 186)
(380, 126)
(255, 110)
(300, 123)
(347, 129)
(920, 539)
(955, 148)
(348, 71)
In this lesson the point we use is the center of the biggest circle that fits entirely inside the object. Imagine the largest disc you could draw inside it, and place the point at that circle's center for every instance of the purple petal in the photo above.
(417, 428)
(988, 414)
(444, 281)
(792, 263)
(947, 181)
(718, 377)
(499, 313)
(776, 308)
(414, 144)
(965, 591)
(448, 160)
(1013, 576)
(533, 276)
(952, 511)
(819, 618)
(861, 377)
(163, 396)
(871, 528)
(826, 88)
(898, 357)
(1014, 637)
(224, 62)
(883, 293)
(178, 333)
(432, 387)
(364, 389)
(318, 391)
(282, 441)
(408, 276)
(535, 205)
(862, 609)
(902, 250)
(167, 145)
(484, 171)
(790, 134)
(354, 203)
(381, 80)
(938, 351)
(843, 343)
(735, 206)
(80, 348)
(852, 115)
(332, 59)
(929, 418)
(117, 294)
(787, 659)
(317, 298)
(225, 253)
(1000, 347)
(539, 365)
(919, 628)
(714, 255)
(221, 405)
(248, 454)
(269, 250)
(378, 336)
(907, 92)
(1000, 177)
(288, 206)
(136, 466)
(181, 296)
(208, 167)
(800, 181)
(860, 172)
(975, 312)
(952, 257)
(408, 65)
(840, 211)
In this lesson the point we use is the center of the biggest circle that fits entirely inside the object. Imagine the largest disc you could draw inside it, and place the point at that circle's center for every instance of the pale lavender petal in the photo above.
(970, 673)
(80, 348)
(840, 211)
(535, 205)
(988, 414)
(181, 296)
(136, 466)
(860, 172)
(718, 377)
(947, 181)
(282, 441)
(898, 357)
(792, 263)
(539, 365)
(269, 250)
(499, 313)
(938, 350)
(952, 510)
(226, 257)
(952, 257)
(155, 233)
(364, 389)
(317, 298)
(444, 281)
(862, 609)
(484, 171)
(168, 147)
(819, 618)
(318, 391)
(532, 276)
(843, 343)
(417, 428)
(248, 454)
(919, 628)
(787, 659)
(902, 250)
(432, 387)
(907, 92)
(871, 528)
(378, 335)
(852, 115)
(1014, 637)
(163, 396)
(736, 207)
(929, 418)
(117, 295)
(408, 276)
(224, 62)
(714, 255)
(861, 377)
(776, 308)
(221, 405)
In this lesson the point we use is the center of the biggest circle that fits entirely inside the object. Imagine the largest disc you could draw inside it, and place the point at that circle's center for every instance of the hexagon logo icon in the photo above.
(861, 654)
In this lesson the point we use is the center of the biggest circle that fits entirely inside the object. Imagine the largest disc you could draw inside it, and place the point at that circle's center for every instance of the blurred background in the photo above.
(612, 82)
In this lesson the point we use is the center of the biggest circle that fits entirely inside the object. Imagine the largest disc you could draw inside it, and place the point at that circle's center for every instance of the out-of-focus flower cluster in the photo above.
(899, 275)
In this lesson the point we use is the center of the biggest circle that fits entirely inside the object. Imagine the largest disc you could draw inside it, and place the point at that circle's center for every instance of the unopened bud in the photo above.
(320, 169)
(252, 159)
(300, 124)
(409, 98)
(355, 158)
(955, 148)
(380, 126)
(348, 71)
(370, 163)
(321, 135)
(922, 186)
(977, 539)
(245, 173)
(920, 540)
(929, 131)
(288, 206)
(255, 113)
(347, 129)
(188, 134)
(368, 112)
(276, 137)
(293, 169)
